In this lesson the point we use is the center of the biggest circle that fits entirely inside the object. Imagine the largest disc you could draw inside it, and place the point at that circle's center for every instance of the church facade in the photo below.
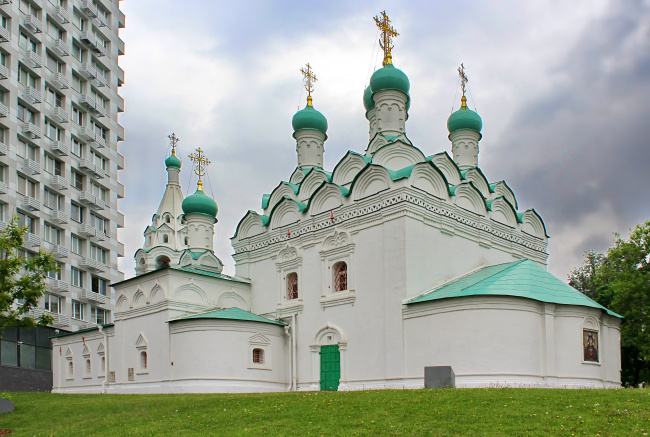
(354, 278)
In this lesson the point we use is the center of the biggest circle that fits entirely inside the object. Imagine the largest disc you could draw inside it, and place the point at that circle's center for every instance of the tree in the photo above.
(620, 281)
(22, 279)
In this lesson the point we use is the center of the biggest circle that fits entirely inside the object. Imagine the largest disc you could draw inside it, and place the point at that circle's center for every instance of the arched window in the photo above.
(187, 241)
(88, 366)
(165, 238)
(70, 368)
(162, 262)
(258, 356)
(292, 286)
(168, 219)
(104, 364)
(340, 270)
(143, 360)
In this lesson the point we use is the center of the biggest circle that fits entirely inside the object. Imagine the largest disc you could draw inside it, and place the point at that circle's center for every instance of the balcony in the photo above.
(3, 149)
(58, 216)
(59, 182)
(92, 264)
(88, 231)
(59, 252)
(3, 188)
(88, 8)
(59, 115)
(93, 297)
(33, 24)
(30, 166)
(100, 81)
(61, 14)
(4, 72)
(31, 204)
(32, 94)
(99, 48)
(100, 111)
(88, 71)
(5, 36)
(91, 200)
(87, 165)
(99, 143)
(32, 240)
(60, 320)
(31, 130)
(4, 111)
(88, 38)
(87, 101)
(61, 47)
(86, 133)
(59, 148)
(60, 81)
(58, 286)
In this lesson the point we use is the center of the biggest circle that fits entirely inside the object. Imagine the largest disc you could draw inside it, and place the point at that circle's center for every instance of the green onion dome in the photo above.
(464, 118)
(309, 118)
(200, 203)
(368, 103)
(389, 78)
(173, 161)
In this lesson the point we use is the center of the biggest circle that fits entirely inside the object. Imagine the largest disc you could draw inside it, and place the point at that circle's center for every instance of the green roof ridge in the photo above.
(523, 278)
(233, 313)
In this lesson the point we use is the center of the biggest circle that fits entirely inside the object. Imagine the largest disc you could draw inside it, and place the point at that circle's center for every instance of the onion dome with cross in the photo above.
(173, 161)
(199, 202)
(464, 118)
(388, 77)
(309, 118)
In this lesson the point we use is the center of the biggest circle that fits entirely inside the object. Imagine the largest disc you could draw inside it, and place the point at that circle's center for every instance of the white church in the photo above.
(358, 277)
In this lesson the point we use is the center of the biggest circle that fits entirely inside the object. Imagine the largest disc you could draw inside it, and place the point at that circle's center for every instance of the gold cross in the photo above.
(463, 78)
(201, 162)
(309, 78)
(387, 35)
(173, 140)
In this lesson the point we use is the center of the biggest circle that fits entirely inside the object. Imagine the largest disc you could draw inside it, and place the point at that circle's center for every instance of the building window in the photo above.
(98, 254)
(70, 369)
(77, 148)
(98, 315)
(25, 78)
(52, 303)
(27, 221)
(143, 360)
(590, 345)
(53, 166)
(340, 270)
(292, 286)
(77, 180)
(51, 234)
(52, 200)
(76, 212)
(258, 356)
(77, 310)
(165, 238)
(52, 131)
(187, 241)
(27, 187)
(99, 223)
(54, 274)
(98, 285)
(88, 366)
(77, 277)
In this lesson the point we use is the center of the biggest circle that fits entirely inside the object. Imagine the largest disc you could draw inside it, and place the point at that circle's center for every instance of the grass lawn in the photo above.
(465, 412)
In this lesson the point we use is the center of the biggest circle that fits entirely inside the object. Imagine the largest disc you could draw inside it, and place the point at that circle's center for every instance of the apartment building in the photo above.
(59, 160)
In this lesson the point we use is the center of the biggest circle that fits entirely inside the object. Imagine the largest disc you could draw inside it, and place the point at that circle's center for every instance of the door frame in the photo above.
(328, 336)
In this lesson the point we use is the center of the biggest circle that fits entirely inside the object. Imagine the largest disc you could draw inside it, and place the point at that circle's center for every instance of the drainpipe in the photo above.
(106, 371)
(294, 364)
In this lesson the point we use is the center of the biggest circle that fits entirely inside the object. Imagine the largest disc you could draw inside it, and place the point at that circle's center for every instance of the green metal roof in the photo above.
(81, 331)
(231, 314)
(519, 279)
(207, 273)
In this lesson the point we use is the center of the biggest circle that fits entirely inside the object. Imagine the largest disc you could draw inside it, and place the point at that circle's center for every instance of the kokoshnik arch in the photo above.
(353, 278)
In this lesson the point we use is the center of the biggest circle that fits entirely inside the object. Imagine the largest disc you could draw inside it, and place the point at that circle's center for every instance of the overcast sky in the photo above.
(563, 89)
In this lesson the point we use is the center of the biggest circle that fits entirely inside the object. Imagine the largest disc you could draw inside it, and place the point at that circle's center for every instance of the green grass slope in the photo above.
(450, 412)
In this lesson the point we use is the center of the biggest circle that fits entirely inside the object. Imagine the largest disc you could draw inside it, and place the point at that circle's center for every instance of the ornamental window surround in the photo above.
(289, 265)
(259, 350)
(337, 258)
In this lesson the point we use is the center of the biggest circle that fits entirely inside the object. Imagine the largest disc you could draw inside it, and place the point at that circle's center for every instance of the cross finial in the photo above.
(463, 83)
(201, 162)
(387, 35)
(309, 78)
(173, 141)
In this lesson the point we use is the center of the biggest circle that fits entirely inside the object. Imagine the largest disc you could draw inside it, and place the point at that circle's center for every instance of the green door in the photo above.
(330, 367)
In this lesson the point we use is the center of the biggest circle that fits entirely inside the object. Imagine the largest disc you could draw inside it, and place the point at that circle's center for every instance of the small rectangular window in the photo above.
(77, 277)
(76, 212)
(77, 310)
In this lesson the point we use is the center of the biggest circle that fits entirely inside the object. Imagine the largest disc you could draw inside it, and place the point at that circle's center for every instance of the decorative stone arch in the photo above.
(310, 183)
(87, 363)
(297, 176)
(448, 167)
(263, 344)
(142, 354)
(209, 260)
(469, 198)
(249, 226)
(139, 299)
(285, 212)
(532, 224)
(502, 212)
(122, 303)
(326, 336)
(230, 299)
(502, 189)
(69, 364)
(191, 293)
(476, 176)
(371, 180)
(157, 293)
(284, 189)
(348, 168)
(101, 355)
(427, 177)
(326, 198)
(397, 156)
